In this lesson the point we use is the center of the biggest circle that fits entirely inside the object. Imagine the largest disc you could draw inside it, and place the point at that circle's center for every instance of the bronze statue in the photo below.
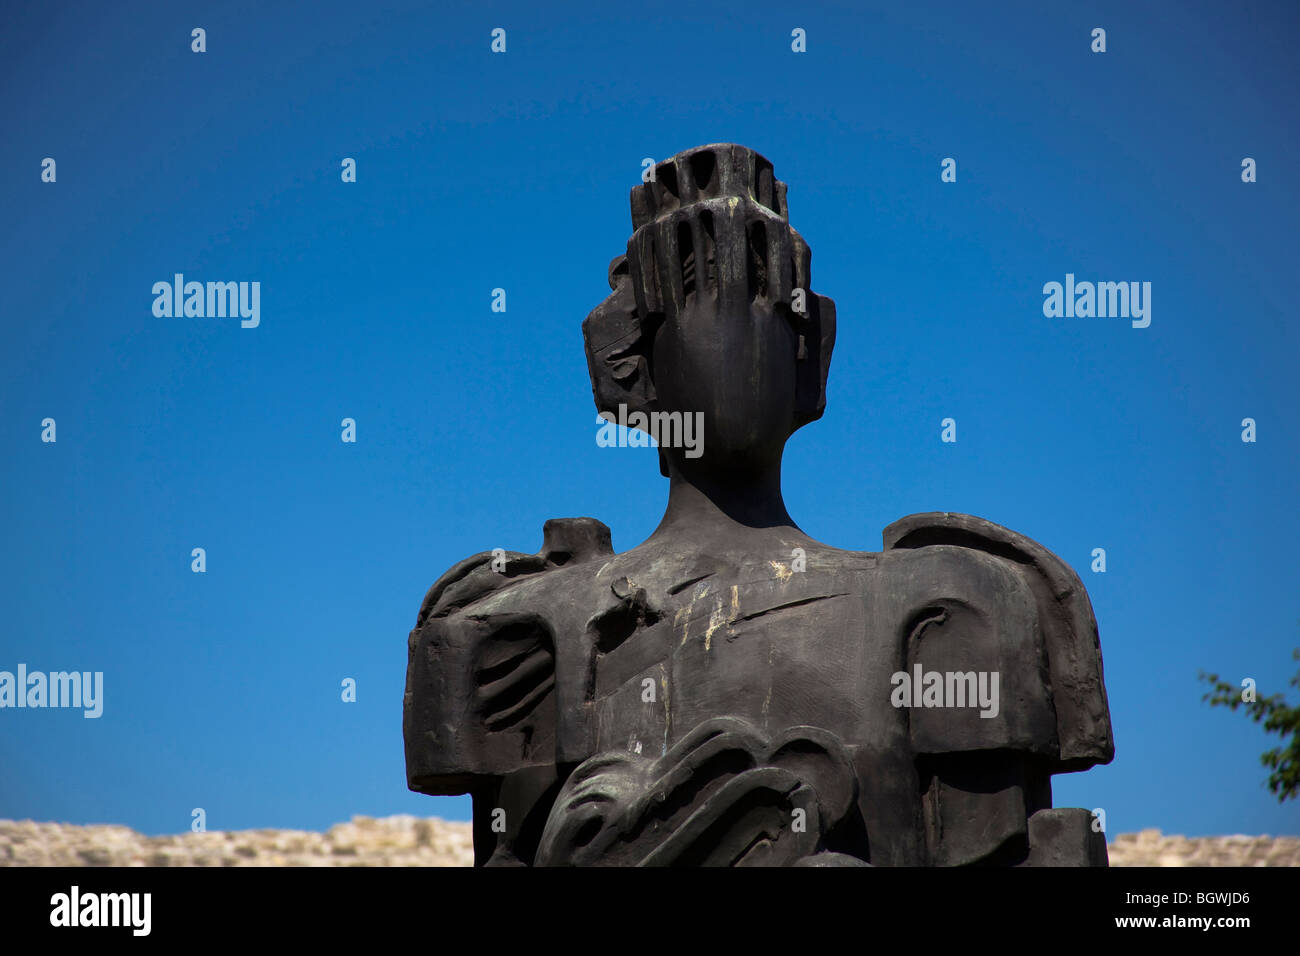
(730, 691)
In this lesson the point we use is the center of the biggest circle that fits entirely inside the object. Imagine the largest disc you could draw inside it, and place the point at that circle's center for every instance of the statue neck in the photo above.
(705, 506)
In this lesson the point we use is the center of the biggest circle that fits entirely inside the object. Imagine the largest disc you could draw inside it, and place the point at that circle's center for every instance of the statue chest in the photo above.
(788, 650)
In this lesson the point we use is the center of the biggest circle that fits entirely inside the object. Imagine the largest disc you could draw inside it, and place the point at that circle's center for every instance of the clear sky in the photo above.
(478, 171)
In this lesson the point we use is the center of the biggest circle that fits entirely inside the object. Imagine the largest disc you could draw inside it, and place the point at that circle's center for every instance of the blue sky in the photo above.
(478, 170)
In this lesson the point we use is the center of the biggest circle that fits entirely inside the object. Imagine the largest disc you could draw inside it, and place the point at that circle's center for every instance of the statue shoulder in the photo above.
(1065, 617)
(565, 542)
(978, 534)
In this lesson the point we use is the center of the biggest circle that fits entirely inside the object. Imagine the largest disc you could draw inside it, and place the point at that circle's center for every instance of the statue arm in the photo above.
(995, 602)
(1068, 626)
(480, 711)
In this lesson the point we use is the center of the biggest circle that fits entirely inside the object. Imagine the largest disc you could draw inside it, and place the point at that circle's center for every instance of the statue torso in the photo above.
(632, 653)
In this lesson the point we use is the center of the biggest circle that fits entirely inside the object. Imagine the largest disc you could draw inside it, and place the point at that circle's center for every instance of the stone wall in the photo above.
(417, 841)
(390, 841)
(1152, 848)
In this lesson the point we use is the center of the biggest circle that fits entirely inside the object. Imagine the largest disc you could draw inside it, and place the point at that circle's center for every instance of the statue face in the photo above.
(711, 318)
(734, 359)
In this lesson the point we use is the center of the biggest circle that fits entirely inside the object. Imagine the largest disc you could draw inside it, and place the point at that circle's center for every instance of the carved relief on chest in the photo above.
(726, 644)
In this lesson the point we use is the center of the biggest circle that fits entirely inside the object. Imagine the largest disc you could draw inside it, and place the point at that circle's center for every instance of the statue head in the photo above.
(712, 313)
